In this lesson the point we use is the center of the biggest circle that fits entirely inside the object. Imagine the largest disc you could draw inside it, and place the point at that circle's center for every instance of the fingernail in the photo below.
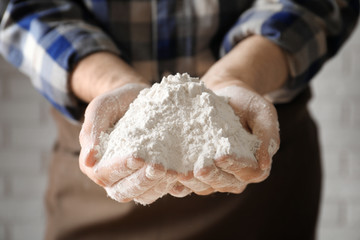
(90, 157)
(134, 164)
(153, 173)
(273, 148)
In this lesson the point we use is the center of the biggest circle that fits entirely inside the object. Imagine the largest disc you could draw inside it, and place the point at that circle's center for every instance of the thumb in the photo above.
(101, 115)
(259, 117)
(264, 124)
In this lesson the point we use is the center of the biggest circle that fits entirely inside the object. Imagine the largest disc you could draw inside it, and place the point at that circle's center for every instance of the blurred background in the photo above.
(27, 134)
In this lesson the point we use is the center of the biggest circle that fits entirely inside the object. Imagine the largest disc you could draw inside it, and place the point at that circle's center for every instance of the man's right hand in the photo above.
(110, 85)
(124, 178)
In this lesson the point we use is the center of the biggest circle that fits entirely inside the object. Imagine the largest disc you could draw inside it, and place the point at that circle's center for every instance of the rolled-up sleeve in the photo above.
(45, 40)
(309, 32)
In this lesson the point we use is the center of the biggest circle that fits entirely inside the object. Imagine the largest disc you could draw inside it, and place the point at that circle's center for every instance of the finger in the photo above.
(264, 124)
(102, 113)
(112, 193)
(148, 197)
(137, 183)
(259, 117)
(274, 144)
(265, 174)
(241, 169)
(194, 184)
(167, 183)
(89, 171)
(117, 169)
(87, 157)
(179, 190)
(268, 147)
(219, 180)
(99, 117)
(159, 190)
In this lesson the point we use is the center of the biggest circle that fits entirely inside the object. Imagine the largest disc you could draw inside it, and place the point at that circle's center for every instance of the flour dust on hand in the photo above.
(179, 124)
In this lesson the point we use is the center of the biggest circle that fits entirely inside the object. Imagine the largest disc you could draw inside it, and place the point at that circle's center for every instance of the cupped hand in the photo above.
(101, 115)
(124, 179)
(109, 84)
(232, 174)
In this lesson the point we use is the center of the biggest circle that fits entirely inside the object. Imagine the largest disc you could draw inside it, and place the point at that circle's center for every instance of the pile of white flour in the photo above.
(180, 124)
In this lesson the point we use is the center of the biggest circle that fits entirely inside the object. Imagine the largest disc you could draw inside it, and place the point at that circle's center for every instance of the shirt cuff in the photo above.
(73, 108)
(296, 30)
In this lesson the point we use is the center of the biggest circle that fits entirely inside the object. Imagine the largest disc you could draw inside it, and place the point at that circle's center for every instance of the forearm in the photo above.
(99, 73)
(254, 61)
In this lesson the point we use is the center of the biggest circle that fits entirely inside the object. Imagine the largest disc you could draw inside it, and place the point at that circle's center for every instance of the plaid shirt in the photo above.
(45, 39)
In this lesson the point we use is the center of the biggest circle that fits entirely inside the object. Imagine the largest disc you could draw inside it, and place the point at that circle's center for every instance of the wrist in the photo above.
(254, 62)
(99, 73)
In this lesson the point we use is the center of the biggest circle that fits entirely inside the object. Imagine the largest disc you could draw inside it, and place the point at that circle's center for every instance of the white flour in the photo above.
(180, 124)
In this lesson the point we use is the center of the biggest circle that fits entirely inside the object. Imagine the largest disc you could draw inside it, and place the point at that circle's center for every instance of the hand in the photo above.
(129, 178)
(228, 173)
(253, 68)
(110, 85)
(124, 178)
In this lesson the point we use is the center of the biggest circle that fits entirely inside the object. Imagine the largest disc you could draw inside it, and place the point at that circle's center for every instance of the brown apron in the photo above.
(285, 206)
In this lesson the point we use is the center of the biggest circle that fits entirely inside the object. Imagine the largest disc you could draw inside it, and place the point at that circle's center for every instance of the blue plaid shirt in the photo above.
(45, 39)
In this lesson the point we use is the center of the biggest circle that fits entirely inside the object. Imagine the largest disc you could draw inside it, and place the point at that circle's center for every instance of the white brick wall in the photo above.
(26, 137)
(337, 110)
(27, 133)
